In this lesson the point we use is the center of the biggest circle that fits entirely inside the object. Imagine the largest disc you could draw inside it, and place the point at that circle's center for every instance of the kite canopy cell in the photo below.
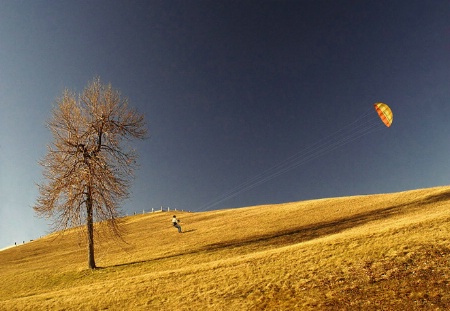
(385, 113)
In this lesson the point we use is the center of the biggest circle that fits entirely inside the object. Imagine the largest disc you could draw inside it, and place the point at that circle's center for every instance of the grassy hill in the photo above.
(374, 252)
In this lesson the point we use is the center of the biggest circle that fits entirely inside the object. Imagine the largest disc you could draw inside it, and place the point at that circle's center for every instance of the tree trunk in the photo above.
(90, 231)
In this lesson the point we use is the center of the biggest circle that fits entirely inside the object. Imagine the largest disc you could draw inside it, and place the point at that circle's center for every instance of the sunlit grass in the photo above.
(371, 252)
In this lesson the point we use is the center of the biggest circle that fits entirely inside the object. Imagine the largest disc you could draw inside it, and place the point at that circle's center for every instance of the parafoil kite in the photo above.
(385, 113)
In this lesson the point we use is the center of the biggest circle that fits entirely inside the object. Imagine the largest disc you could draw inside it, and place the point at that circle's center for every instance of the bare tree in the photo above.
(89, 165)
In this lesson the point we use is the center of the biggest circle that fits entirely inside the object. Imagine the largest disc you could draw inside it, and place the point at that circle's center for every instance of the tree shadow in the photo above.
(305, 233)
(146, 261)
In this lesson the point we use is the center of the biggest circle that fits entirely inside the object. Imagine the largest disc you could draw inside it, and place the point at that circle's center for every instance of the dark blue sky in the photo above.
(230, 89)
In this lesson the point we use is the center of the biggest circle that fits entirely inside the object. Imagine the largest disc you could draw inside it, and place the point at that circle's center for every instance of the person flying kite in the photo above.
(175, 222)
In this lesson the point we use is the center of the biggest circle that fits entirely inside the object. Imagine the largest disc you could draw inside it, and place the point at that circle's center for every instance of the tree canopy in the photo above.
(89, 164)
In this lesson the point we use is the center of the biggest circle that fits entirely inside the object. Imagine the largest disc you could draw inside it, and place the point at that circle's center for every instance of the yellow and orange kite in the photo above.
(385, 113)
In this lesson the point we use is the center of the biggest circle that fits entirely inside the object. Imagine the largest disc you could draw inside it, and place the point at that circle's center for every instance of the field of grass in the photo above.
(374, 252)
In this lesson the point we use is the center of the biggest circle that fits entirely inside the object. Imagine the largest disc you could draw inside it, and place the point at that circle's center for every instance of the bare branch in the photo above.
(88, 166)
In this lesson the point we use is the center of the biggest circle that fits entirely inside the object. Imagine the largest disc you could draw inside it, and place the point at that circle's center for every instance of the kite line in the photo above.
(365, 124)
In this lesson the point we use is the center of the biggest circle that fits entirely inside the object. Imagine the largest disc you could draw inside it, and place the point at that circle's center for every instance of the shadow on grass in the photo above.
(139, 262)
(146, 261)
(190, 230)
(317, 230)
(306, 233)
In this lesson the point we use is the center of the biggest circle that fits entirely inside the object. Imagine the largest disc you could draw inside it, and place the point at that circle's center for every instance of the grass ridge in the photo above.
(369, 252)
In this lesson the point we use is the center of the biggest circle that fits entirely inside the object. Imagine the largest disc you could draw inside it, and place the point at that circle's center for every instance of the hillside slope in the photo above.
(387, 251)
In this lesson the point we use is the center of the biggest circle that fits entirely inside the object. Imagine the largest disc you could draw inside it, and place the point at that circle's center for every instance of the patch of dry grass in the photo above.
(376, 252)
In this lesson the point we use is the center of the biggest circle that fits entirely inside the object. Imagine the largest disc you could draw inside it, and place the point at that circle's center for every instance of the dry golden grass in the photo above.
(375, 252)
